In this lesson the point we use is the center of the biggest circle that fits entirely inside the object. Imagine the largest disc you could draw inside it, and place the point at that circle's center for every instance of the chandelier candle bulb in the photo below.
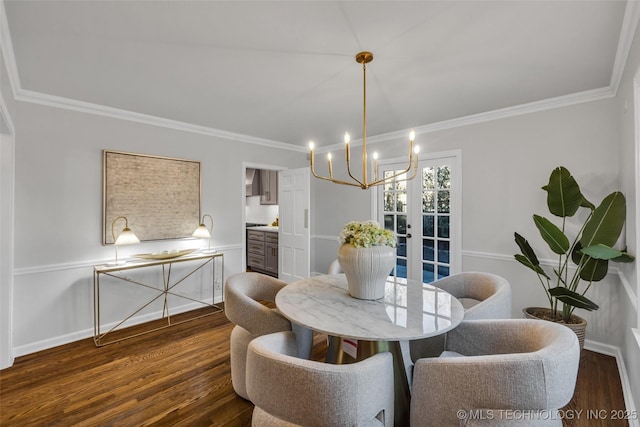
(375, 165)
(330, 165)
(347, 138)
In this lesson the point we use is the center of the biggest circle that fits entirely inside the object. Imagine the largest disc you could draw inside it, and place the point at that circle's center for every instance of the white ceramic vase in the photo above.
(366, 269)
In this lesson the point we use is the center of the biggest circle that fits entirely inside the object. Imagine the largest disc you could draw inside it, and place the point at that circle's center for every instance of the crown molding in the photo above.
(117, 113)
(627, 32)
(6, 45)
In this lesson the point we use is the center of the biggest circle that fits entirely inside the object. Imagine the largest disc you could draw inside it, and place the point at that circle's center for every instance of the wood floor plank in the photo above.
(181, 376)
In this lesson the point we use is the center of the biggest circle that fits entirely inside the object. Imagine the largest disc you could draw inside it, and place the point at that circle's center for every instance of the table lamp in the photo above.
(126, 237)
(202, 232)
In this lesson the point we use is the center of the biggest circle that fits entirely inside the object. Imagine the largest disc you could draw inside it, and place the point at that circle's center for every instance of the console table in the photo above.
(195, 262)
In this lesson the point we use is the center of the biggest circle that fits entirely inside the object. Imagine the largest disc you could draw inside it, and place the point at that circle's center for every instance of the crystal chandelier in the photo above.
(364, 58)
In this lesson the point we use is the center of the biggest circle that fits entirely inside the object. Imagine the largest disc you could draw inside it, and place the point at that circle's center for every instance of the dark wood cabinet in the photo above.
(262, 251)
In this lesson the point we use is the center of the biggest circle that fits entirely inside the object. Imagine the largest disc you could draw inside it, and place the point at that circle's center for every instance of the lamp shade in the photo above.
(201, 232)
(126, 237)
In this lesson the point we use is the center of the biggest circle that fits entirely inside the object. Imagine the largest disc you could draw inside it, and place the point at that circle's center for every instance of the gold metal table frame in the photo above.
(163, 292)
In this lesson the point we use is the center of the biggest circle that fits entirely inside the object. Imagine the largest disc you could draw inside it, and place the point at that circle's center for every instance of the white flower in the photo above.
(365, 234)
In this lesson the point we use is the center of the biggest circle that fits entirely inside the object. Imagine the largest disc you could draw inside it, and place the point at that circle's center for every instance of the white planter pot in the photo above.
(367, 269)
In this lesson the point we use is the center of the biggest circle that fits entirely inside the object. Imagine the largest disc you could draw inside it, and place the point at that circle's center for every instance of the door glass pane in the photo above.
(443, 271)
(427, 273)
(427, 225)
(443, 201)
(443, 226)
(444, 177)
(389, 201)
(428, 202)
(388, 222)
(401, 268)
(443, 251)
(402, 247)
(428, 250)
(402, 224)
(401, 201)
(428, 179)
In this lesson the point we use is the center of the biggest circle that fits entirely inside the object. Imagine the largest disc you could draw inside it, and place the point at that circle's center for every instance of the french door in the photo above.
(425, 214)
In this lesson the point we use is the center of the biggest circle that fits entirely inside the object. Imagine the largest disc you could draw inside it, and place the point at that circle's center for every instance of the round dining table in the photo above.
(409, 310)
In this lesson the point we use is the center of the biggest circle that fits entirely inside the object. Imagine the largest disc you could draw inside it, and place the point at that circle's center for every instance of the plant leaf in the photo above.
(563, 193)
(555, 238)
(594, 270)
(526, 249)
(605, 225)
(527, 263)
(601, 251)
(625, 257)
(572, 298)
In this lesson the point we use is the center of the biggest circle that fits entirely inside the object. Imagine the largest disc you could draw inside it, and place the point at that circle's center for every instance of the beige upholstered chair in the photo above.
(289, 391)
(243, 293)
(483, 295)
(497, 372)
(334, 267)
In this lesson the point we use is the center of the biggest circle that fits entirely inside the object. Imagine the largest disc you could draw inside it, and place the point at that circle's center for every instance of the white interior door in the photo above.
(293, 239)
(424, 213)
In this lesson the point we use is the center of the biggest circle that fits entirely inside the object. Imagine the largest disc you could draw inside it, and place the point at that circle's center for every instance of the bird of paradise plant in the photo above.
(590, 250)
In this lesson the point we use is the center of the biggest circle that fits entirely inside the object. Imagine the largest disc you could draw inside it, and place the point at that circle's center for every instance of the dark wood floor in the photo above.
(181, 377)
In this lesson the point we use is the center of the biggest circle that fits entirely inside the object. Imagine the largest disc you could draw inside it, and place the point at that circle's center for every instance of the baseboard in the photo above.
(614, 351)
(88, 333)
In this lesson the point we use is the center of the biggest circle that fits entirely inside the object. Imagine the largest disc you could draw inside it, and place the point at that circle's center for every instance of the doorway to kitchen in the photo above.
(261, 218)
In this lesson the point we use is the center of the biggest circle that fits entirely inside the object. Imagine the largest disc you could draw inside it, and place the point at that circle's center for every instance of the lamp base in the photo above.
(208, 251)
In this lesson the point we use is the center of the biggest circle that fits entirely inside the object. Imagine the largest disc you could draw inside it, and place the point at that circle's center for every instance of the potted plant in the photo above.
(582, 260)
(367, 255)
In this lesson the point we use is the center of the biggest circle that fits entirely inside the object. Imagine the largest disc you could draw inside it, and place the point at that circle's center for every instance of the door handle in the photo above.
(408, 235)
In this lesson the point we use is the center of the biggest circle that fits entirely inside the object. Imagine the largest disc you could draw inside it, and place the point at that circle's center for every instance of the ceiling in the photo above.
(285, 70)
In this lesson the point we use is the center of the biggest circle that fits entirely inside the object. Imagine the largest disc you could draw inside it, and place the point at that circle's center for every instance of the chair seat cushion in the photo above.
(467, 303)
(447, 353)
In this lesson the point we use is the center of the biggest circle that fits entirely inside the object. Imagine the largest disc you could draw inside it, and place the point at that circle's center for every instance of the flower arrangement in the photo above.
(365, 234)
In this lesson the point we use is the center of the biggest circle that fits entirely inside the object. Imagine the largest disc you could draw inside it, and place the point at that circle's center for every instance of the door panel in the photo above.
(294, 245)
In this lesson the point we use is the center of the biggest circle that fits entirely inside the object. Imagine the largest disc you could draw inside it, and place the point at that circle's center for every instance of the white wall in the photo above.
(629, 126)
(58, 210)
(7, 145)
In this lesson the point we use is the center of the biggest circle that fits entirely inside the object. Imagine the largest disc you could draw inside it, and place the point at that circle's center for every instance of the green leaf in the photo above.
(601, 251)
(594, 270)
(563, 193)
(605, 225)
(555, 238)
(526, 249)
(527, 263)
(587, 204)
(573, 299)
(625, 257)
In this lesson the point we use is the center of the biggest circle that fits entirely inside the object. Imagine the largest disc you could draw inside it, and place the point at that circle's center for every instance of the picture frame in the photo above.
(159, 196)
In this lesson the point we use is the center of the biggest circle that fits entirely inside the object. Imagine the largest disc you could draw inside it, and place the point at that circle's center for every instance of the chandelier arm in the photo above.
(336, 181)
(411, 163)
(360, 183)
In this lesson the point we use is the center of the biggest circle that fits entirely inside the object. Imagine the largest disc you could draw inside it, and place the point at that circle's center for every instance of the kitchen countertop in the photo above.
(264, 228)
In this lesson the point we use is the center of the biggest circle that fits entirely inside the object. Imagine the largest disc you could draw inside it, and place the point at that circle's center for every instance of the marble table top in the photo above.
(409, 310)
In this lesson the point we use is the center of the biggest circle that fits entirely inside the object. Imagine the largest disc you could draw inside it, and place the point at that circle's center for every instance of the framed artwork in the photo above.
(159, 196)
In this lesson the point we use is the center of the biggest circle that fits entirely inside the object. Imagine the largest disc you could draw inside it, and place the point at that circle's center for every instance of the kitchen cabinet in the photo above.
(262, 251)
(252, 182)
(268, 187)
